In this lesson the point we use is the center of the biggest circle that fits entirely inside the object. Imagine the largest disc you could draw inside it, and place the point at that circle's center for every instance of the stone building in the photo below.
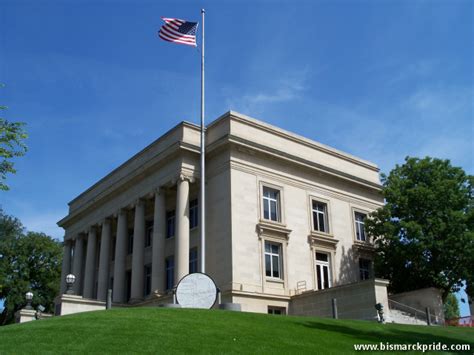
(284, 216)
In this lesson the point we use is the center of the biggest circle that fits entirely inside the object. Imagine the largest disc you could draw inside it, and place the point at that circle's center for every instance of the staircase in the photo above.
(402, 314)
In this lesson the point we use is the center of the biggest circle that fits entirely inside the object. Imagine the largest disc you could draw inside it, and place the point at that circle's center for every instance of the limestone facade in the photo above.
(284, 215)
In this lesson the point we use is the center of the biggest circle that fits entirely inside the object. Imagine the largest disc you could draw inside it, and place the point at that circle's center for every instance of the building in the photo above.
(285, 216)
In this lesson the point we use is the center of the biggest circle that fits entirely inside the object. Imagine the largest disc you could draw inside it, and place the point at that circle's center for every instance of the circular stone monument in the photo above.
(196, 290)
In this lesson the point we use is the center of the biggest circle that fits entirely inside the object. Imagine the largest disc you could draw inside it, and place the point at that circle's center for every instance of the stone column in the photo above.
(119, 292)
(158, 252)
(91, 256)
(181, 250)
(66, 268)
(77, 263)
(104, 260)
(138, 251)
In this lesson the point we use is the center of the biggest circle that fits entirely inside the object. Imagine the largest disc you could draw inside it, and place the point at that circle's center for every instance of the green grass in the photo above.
(159, 330)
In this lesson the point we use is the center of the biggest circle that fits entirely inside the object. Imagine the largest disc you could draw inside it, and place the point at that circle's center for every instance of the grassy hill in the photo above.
(159, 330)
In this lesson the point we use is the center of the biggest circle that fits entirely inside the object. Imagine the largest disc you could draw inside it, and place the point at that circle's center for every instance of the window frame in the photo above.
(194, 213)
(320, 279)
(280, 210)
(193, 261)
(327, 215)
(279, 255)
(356, 225)
(147, 280)
(169, 272)
(367, 271)
(148, 233)
(170, 216)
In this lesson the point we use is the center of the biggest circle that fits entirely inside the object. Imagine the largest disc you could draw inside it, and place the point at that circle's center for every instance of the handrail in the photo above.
(417, 313)
(404, 305)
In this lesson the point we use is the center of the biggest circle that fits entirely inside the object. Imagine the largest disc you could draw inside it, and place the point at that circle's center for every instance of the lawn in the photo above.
(159, 330)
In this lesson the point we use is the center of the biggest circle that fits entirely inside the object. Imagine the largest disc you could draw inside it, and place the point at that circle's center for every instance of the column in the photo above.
(138, 251)
(158, 243)
(77, 263)
(119, 293)
(104, 260)
(181, 250)
(91, 256)
(66, 268)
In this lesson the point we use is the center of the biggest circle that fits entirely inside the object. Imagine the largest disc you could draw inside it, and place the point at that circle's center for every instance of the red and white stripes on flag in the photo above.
(178, 31)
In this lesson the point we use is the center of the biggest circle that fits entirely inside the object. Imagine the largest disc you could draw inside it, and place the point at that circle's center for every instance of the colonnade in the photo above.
(76, 259)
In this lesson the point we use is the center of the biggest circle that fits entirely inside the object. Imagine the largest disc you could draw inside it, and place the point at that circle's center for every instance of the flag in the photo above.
(178, 31)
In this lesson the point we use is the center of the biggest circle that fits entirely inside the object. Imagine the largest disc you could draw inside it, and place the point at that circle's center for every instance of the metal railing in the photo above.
(418, 314)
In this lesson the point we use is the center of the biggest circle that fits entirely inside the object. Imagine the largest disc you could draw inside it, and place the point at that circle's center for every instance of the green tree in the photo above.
(424, 233)
(12, 145)
(28, 261)
(451, 307)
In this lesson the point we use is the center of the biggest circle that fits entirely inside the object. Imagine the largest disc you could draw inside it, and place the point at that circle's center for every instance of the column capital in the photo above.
(182, 177)
(120, 211)
(139, 201)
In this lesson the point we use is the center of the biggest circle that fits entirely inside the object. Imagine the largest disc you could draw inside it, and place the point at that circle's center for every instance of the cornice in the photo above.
(250, 121)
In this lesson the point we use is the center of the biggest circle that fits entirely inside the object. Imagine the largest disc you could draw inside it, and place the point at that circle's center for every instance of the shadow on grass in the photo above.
(389, 333)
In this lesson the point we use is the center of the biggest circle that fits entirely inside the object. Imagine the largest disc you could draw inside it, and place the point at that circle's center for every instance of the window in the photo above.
(364, 268)
(148, 233)
(193, 260)
(193, 214)
(276, 310)
(169, 268)
(359, 226)
(271, 204)
(170, 222)
(114, 245)
(323, 270)
(130, 242)
(273, 262)
(320, 217)
(147, 284)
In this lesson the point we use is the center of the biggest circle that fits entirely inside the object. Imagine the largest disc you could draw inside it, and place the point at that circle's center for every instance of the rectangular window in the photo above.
(364, 269)
(359, 226)
(114, 245)
(273, 260)
(169, 268)
(148, 233)
(320, 217)
(130, 242)
(193, 260)
(323, 270)
(271, 204)
(170, 223)
(276, 310)
(128, 282)
(193, 214)
(147, 283)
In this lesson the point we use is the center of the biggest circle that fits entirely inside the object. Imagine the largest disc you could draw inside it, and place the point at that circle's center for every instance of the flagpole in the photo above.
(203, 159)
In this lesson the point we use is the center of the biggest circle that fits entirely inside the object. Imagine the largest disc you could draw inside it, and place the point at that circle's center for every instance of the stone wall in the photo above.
(420, 299)
(354, 301)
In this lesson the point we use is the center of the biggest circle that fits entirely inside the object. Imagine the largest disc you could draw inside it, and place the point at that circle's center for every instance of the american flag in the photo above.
(178, 31)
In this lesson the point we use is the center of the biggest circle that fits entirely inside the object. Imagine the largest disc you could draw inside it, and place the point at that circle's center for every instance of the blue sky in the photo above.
(378, 79)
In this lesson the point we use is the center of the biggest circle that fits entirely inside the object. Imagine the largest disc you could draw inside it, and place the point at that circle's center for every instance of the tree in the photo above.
(12, 145)
(28, 261)
(424, 233)
(451, 307)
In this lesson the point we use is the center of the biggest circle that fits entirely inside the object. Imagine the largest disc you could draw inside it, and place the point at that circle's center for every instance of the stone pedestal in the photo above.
(70, 304)
(25, 315)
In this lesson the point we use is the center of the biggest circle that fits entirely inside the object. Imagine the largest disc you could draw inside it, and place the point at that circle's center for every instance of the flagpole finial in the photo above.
(203, 11)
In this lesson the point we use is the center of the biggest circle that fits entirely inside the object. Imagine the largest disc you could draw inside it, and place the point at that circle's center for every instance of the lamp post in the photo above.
(70, 279)
(29, 297)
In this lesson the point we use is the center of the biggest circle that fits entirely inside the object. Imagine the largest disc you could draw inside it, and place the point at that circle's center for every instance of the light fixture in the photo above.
(29, 297)
(70, 279)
